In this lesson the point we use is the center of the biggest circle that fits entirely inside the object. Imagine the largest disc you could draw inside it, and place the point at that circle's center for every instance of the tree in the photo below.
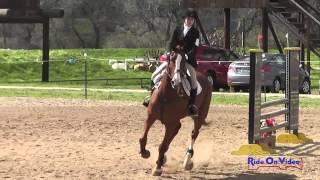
(4, 35)
(102, 14)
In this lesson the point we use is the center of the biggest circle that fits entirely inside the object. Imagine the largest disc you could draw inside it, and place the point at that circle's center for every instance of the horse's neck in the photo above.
(166, 89)
(182, 62)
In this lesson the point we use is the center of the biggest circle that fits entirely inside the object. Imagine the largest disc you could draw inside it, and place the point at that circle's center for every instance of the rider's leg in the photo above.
(193, 75)
(159, 70)
(192, 108)
(155, 78)
(147, 98)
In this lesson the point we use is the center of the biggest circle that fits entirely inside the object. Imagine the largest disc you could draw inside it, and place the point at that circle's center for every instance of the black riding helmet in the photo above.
(190, 13)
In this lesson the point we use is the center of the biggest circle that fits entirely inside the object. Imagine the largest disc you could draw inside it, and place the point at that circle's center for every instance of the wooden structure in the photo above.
(291, 100)
(297, 15)
(226, 3)
(29, 11)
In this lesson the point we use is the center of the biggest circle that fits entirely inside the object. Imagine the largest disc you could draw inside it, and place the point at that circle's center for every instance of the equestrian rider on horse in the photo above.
(187, 36)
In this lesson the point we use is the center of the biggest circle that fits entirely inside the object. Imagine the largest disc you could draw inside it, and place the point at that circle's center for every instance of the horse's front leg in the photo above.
(171, 132)
(187, 163)
(143, 140)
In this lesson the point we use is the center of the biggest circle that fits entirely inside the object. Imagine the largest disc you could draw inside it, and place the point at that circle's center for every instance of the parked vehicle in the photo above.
(273, 69)
(214, 63)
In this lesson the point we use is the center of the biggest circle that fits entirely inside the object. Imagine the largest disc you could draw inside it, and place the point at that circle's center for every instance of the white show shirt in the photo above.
(185, 30)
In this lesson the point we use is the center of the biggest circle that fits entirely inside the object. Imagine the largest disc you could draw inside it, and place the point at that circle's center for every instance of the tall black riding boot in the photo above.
(192, 108)
(147, 98)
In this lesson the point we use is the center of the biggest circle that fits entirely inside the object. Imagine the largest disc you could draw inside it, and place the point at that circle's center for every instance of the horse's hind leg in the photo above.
(143, 140)
(170, 133)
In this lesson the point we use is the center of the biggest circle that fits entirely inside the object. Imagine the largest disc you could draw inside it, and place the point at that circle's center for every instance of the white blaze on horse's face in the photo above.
(176, 80)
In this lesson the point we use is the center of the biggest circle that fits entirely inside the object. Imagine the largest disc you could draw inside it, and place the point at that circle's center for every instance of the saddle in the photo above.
(186, 84)
(182, 77)
(185, 80)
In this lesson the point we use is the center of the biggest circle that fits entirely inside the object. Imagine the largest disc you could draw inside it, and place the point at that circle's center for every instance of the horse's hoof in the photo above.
(187, 163)
(156, 172)
(145, 154)
(188, 166)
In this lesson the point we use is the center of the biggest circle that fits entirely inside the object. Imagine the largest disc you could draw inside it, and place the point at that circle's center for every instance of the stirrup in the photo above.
(192, 110)
(150, 88)
(146, 101)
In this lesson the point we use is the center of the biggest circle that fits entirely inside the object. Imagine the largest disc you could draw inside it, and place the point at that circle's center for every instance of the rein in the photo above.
(182, 72)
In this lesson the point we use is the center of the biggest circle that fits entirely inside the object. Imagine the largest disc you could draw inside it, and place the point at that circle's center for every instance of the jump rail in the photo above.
(291, 100)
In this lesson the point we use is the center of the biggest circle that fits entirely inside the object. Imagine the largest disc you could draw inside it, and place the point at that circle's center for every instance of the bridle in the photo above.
(177, 73)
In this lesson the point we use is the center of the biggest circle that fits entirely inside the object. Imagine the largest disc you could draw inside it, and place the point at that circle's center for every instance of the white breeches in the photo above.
(193, 75)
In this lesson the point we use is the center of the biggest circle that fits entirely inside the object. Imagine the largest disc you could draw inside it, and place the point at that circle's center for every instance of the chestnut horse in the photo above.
(168, 106)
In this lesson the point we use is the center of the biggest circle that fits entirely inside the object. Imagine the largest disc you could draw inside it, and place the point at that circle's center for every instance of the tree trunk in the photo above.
(4, 35)
(97, 33)
(168, 29)
(74, 29)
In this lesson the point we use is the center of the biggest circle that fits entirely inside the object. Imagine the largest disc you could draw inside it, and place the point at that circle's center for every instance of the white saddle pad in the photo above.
(185, 83)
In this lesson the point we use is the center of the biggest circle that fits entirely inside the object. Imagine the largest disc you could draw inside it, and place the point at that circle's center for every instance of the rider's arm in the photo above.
(195, 45)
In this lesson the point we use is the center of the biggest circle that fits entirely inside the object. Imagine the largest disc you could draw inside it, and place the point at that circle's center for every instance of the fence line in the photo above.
(141, 60)
(105, 79)
(128, 62)
(115, 59)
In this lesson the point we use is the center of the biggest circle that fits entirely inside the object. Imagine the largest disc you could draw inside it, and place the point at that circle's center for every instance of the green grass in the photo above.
(315, 71)
(28, 72)
(80, 84)
(217, 99)
(10, 55)
(40, 93)
(230, 99)
(70, 94)
(243, 100)
(14, 56)
(315, 77)
(26, 65)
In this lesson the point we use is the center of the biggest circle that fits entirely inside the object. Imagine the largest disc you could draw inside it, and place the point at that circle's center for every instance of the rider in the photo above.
(188, 36)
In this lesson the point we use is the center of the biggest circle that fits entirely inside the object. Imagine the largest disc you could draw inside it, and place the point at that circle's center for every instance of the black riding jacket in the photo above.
(188, 43)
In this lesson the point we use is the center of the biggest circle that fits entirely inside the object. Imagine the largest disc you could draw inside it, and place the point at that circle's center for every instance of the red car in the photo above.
(213, 62)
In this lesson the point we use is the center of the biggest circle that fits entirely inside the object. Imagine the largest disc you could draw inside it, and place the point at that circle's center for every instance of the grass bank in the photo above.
(123, 95)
